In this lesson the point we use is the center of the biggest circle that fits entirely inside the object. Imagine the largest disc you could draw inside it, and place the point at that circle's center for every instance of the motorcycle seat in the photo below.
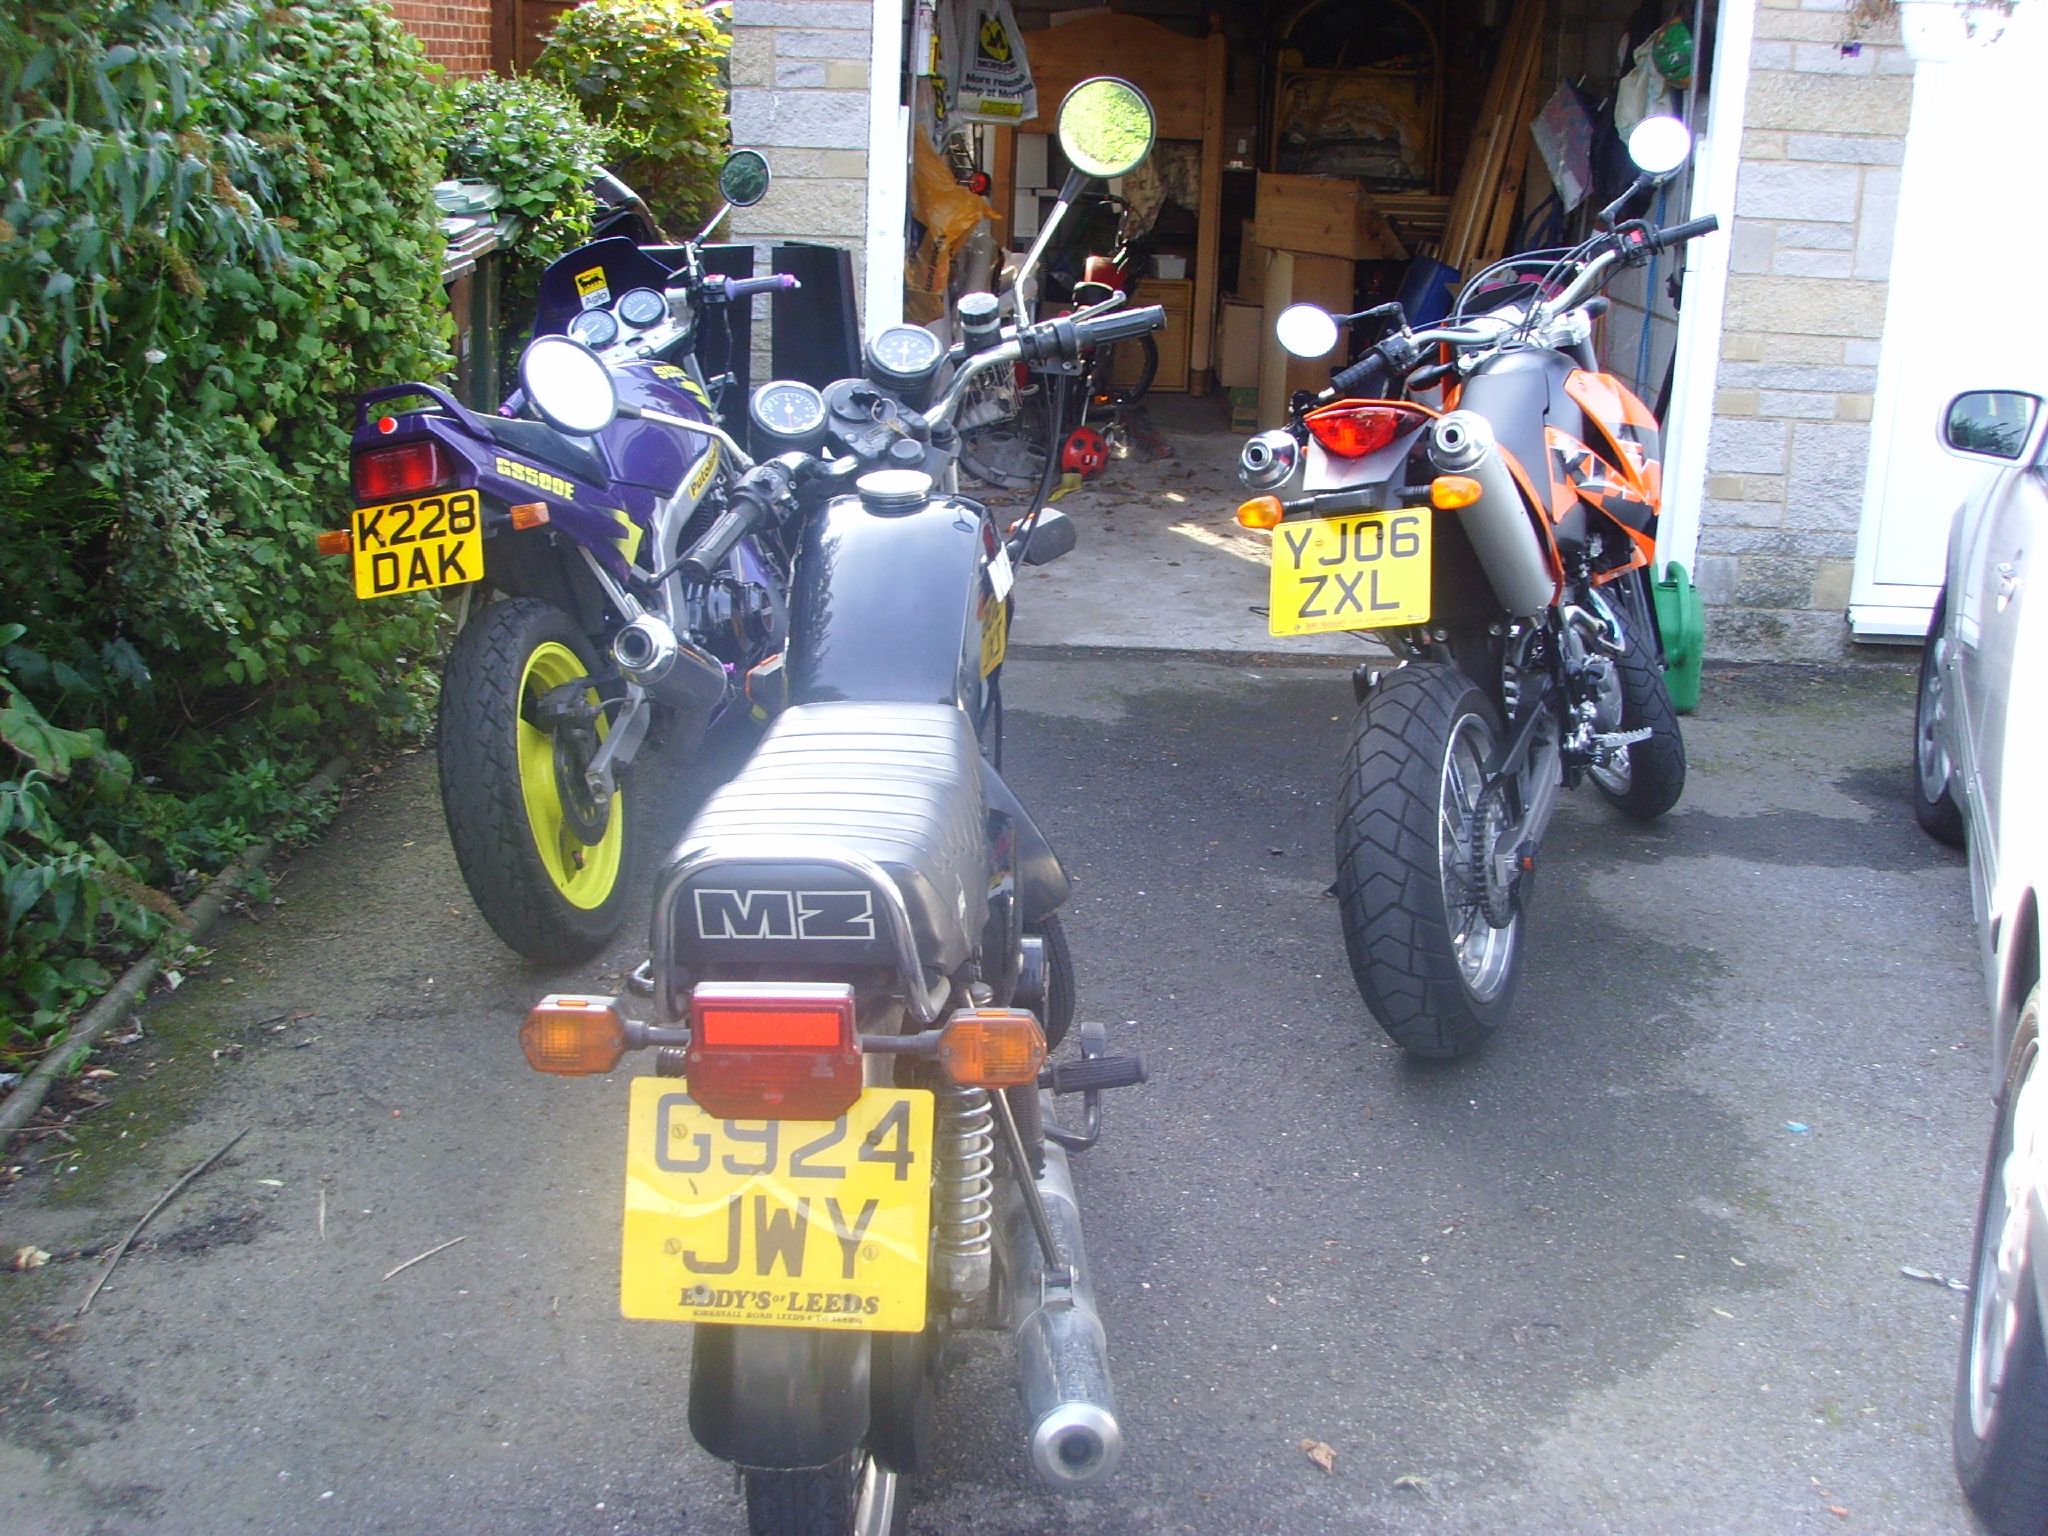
(538, 440)
(896, 786)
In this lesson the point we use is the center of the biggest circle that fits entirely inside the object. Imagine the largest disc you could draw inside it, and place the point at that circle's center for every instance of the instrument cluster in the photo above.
(632, 319)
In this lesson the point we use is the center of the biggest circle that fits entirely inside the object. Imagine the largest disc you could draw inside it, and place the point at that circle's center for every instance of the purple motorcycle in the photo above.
(603, 579)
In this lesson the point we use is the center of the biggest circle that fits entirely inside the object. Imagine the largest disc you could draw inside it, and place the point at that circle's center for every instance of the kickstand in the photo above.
(641, 981)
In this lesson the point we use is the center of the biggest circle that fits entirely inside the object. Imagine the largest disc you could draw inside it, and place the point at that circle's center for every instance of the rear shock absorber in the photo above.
(963, 1190)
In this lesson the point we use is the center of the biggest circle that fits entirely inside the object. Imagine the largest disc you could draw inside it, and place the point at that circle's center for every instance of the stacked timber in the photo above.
(1481, 219)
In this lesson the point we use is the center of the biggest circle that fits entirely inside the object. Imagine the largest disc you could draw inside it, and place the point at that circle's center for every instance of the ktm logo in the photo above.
(785, 914)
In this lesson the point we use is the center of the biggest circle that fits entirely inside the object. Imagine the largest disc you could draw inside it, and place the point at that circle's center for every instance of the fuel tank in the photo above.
(890, 601)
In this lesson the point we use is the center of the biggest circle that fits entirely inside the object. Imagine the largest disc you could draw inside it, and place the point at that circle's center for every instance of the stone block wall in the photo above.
(1824, 137)
(800, 96)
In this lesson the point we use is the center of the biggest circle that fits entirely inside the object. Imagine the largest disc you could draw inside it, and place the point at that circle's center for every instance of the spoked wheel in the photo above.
(546, 862)
(1645, 778)
(854, 1497)
(1934, 801)
(1413, 830)
(2001, 1399)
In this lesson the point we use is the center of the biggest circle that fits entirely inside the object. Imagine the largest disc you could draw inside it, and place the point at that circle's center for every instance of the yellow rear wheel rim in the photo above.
(584, 873)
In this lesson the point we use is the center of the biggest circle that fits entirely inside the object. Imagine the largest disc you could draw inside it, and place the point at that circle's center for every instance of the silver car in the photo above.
(1981, 779)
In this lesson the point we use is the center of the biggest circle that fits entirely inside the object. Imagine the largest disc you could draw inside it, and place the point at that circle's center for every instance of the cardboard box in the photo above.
(1172, 268)
(1325, 216)
(1239, 328)
(1244, 409)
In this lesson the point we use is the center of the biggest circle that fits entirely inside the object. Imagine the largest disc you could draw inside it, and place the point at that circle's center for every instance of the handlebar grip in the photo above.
(1678, 234)
(746, 513)
(747, 287)
(1121, 323)
(1359, 374)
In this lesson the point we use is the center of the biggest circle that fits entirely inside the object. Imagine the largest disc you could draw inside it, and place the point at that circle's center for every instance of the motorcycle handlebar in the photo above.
(1367, 369)
(730, 288)
(748, 511)
(1678, 234)
(1118, 325)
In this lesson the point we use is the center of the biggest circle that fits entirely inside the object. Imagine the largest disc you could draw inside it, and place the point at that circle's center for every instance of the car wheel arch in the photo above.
(2022, 970)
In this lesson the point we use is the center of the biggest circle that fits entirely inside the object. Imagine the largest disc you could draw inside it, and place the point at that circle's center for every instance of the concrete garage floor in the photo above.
(1635, 1268)
(1161, 563)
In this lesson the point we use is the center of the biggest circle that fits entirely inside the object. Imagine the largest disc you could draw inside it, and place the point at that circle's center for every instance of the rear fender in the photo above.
(779, 1397)
(1041, 881)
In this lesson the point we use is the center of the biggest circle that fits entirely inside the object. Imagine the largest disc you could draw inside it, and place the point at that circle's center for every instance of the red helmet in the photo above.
(1085, 452)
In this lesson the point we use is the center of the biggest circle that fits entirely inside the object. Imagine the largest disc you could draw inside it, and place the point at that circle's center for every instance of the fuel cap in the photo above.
(891, 492)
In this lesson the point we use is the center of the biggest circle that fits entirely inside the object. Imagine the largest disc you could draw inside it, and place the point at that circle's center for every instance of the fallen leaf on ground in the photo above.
(30, 1258)
(1410, 1480)
(1320, 1454)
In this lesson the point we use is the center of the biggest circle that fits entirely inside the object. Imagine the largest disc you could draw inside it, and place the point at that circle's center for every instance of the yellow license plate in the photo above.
(1369, 570)
(422, 542)
(778, 1223)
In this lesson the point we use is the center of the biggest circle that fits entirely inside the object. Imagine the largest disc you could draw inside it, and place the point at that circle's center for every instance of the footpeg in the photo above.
(1093, 1074)
(1607, 743)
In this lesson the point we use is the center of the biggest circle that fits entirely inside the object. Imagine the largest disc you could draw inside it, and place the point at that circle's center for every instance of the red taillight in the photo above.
(773, 1050)
(405, 469)
(1353, 431)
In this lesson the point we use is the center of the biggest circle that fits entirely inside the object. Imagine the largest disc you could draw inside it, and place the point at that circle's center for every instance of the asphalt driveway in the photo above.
(1635, 1268)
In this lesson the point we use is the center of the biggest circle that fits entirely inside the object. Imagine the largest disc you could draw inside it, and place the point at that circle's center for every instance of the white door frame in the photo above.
(1697, 362)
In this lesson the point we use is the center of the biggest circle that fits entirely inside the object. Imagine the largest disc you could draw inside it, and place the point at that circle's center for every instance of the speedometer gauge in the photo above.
(786, 415)
(595, 328)
(642, 307)
(904, 360)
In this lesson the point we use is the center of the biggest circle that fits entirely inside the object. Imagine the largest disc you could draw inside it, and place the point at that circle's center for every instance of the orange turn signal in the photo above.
(529, 514)
(573, 1036)
(1449, 492)
(340, 542)
(1260, 512)
(992, 1047)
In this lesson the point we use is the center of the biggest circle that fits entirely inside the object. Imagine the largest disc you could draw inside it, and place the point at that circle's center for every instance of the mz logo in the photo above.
(785, 914)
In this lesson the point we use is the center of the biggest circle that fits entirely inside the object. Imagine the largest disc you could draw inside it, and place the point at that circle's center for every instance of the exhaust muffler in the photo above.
(1498, 523)
(1268, 460)
(676, 672)
(1062, 1352)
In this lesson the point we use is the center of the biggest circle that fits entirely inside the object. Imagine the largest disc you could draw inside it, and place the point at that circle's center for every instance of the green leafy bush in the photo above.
(216, 228)
(655, 70)
(532, 140)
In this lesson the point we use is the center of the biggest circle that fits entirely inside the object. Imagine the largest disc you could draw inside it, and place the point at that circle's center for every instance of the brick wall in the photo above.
(800, 96)
(457, 32)
(1811, 249)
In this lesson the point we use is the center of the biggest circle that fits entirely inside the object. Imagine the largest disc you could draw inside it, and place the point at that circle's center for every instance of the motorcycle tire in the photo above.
(549, 893)
(1437, 976)
(1105, 395)
(1647, 781)
(1058, 1015)
(852, 1497)
(2000, 1430)
(1934, 800)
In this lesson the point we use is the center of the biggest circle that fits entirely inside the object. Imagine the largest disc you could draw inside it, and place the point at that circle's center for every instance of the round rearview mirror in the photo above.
(1105, 126)
(1659, 145)
(743, 179)
(1306, 331)
(569, 385)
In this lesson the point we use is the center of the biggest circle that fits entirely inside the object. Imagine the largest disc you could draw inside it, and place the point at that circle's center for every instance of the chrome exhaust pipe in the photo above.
(1498, 523)
(1267, 460)
(673, 670)
(1062, 1353)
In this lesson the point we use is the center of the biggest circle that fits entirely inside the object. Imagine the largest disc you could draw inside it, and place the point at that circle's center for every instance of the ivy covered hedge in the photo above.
(216, 227)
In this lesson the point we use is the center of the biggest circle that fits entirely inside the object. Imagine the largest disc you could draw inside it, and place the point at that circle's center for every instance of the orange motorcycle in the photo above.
(1482, 498)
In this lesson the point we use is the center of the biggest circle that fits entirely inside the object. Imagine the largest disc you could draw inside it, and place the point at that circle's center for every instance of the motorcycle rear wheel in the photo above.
(1437, 976)
(853, 1497)
(1647, 778)
(549, 892)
